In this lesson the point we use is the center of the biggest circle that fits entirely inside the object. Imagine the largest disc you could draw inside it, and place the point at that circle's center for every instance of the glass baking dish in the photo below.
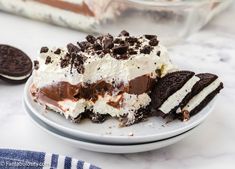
(171, 20)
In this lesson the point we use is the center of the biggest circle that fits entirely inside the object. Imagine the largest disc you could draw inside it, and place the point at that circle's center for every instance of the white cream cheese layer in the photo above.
(176, 98)
(196, 100)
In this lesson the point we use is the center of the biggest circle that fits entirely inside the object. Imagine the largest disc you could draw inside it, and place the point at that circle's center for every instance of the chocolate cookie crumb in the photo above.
(149, 37)
(108, 43)
(91, 39)
(97, 46)
(44, 50)
(122, 49)
(146, 49)
(36, 64)
(58, 51)
(124, 33)
(72, 48)
(132, 51)
(48, 60)
(159, 53)
(153, 42)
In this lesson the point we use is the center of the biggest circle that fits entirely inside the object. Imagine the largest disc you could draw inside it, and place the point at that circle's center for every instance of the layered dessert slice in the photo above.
(102, 76)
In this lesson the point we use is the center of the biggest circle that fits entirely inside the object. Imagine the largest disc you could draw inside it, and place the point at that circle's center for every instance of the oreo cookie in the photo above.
(170, 91)
(202, 93)
(15, 65)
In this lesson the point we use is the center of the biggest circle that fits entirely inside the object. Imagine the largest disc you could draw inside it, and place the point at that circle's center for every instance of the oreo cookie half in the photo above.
(170, 91)
(15, 65)
(202, 93)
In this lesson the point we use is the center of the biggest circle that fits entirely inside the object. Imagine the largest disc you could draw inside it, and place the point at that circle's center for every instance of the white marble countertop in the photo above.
(212, 145)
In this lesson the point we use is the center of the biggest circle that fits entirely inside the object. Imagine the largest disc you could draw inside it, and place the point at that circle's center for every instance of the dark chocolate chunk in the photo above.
(14, 63)
(124, 33)
(91, 39)
(44, 50)
(146, 49)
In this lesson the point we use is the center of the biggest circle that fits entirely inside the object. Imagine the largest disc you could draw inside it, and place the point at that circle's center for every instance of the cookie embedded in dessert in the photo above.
(101, 76)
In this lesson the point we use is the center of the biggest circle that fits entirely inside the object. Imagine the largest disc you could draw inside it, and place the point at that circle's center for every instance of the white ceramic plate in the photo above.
(154, 129)
(105, 148)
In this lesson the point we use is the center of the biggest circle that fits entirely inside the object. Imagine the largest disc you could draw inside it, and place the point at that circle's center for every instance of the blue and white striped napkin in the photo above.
(14, 159)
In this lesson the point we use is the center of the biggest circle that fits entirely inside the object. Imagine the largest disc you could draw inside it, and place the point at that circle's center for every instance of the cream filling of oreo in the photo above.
(15, 78)
(176, 98)
(196, 100)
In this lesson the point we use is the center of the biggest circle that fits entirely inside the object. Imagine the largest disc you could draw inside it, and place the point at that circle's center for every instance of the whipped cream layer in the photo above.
(106, 68)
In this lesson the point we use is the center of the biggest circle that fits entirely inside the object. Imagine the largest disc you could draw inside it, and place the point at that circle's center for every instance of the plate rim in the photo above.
(103, 147)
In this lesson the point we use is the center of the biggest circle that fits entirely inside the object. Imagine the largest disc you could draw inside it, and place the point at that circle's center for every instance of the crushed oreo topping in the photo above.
(146, 49)
(97, 46)
(153, 42)
(149, 37)
(84, 45)
(72, 48)
(120, 50)
(36, 64)
(91, 39)
(108, 43)
(44, 50)
(48, 60)
(131, 51)
(121, 47)
(124, 33)
(132, 40)
(58, 51)
(158, 53)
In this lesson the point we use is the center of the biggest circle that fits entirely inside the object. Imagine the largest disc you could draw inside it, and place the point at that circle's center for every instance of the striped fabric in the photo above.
(18, 159)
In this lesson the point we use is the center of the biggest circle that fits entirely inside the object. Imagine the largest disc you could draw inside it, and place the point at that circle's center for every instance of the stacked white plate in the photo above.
(108, 137)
